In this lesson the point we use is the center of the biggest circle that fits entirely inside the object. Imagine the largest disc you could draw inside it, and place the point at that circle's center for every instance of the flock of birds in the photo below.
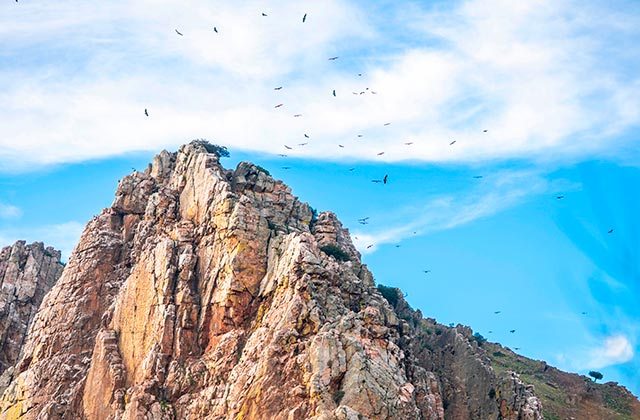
(385, 178)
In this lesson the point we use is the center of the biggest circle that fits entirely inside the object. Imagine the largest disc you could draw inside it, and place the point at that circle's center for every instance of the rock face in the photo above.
(212, 293)
(27, 273)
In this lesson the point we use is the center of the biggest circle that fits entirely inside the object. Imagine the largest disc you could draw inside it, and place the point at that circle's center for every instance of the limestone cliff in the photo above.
(27, 272)
(211, 293)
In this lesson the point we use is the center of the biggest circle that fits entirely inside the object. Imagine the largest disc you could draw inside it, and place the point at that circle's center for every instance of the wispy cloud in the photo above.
(614, 350)
(545, 78)
(7, 211)
(62, 236)
(501, 191)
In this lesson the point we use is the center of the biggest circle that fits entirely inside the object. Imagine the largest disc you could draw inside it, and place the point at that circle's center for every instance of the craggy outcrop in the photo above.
(211, 293)
(27, 273)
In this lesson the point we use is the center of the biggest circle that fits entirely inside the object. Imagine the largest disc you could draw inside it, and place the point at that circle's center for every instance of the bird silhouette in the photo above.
(386, 124)
(385, 179)
(512, 331)
(286, 167)
(484, 131)
(334, 92)
(282, 155)
(360, 135)
(306, 136)
(146, 112)
(374, 93)
(490, 332)
(610, 231)
(340, 146)
(381, 153)
(369, 246)
(215, 29)
(497, 312)
(427, 271)
(584, 313)
(288, 147)
(352, 169)
(304, 18)
(278, 88)
(264, 14)
(364, 219)
(178, 32)
(377, 181)
(298, 115)
(452, 143)
(359, 74)
(278, 106)
(409, 143)
(559, 197)
(478, 177)
(333, 58)
(516, 348)
(302, 144)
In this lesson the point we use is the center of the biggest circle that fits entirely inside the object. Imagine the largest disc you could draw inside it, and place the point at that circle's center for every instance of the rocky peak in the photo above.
(27, 273)
(204, 292)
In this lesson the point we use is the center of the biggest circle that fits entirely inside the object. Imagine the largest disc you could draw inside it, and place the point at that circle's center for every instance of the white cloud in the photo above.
(545, 79)
(62, 236)
(7, 211)
(615, 350)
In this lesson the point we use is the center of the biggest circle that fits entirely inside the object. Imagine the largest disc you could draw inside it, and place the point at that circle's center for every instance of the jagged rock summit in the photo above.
(207, 293)
(27, 273)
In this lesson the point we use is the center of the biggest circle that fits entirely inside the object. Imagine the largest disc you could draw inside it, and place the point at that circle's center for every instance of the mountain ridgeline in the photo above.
(208, 293)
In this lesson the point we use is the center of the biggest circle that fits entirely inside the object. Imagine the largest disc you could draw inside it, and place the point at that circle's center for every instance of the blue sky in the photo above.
(554, 83)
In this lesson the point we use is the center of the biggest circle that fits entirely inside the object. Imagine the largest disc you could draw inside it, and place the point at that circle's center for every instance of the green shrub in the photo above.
(479, 339)
(220, 151)
(261, 169)
(390, 294)
(337, 396)
(335, 252)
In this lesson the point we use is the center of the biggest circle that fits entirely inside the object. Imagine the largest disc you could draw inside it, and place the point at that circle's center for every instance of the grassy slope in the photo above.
(565, 395)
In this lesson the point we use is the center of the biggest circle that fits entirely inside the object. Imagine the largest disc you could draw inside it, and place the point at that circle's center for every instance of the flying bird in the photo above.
(215, 29)
(178, 32)
(278, 88)
(146, 112)
(363, 222)
(385, 179)
(381, 153)
(559, 197)
(364, 219)
(264, 14)
(610, 231)
(359, 74)
(497, 312)
(302, 144)
(298, 115)
(427, 271)
(282, 155)
(386, 124)
(287, 147)
(306, 136)
(584, 313)
(452, 143)
(333, 58)
(478, 176)
(369, 246)
(304, 18)
(352, 169)
(490, 332)
(516, 348)
(360, 135)
(286, 167)
(512, 331)
(278, 106)
(409, 143)
(374, 93)
(334, 92)
(340, 145)
(377, 181)
(484, 131)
